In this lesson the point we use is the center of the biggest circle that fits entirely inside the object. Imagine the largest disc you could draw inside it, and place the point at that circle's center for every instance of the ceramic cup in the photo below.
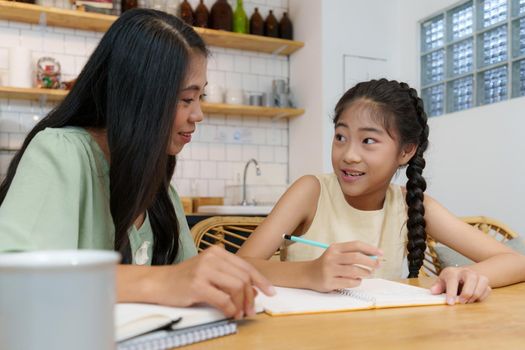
(214, 94)
(57, 300)
(234, 97)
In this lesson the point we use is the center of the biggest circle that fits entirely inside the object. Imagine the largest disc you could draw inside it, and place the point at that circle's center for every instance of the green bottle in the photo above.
(240, 20)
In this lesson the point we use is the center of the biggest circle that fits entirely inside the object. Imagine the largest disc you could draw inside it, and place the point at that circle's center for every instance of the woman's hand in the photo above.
(343, 265)
(471, 285)
(215, 277)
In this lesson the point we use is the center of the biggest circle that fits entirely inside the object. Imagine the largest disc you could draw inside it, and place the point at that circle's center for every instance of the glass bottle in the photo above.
(240, 20)
(186, 12)
(271, 26)
(221, 16)
(128, 5)
(256, 23)
(202, 15)
(285, 27)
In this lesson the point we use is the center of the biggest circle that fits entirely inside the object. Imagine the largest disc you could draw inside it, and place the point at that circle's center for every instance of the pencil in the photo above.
(316, 244)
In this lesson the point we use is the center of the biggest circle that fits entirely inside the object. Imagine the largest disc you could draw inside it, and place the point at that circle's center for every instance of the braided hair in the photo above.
(403, 112)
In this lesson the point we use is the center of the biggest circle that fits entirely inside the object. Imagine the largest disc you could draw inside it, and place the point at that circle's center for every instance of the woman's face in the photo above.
(188, 112)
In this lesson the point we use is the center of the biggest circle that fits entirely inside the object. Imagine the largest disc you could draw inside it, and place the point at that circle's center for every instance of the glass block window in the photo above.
(473, 54)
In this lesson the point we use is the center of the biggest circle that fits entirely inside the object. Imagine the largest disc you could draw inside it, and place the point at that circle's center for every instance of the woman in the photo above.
(95, 173)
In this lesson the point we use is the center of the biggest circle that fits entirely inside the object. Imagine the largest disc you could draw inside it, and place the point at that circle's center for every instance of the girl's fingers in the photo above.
(352, 272)
(356, 258)
(481, 288)
(470, 280)
(452, 284)
(358, 246)
(485, 294)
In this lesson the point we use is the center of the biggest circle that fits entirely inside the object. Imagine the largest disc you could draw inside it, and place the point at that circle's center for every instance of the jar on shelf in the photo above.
(186, 12)
(285, 27)
(48, 73)
(202, 15)
(256, 23)
(271, 26)
(221, 16)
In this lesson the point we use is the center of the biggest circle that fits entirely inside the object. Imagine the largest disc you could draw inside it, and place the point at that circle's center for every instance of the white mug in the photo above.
(235, 97)
(214, 94)
(57, 300)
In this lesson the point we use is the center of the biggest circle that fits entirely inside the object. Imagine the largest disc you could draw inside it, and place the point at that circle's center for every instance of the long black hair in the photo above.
(130, 86)
(403, 112)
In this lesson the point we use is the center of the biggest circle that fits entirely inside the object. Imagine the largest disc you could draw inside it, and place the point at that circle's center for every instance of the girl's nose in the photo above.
(197, 115)
(352, 155)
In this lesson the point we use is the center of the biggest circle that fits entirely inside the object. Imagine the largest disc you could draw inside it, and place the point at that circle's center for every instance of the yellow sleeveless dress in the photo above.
(336, 221)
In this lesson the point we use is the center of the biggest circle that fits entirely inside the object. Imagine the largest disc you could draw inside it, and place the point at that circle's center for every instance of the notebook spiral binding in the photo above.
(164, 340)
(357, 295)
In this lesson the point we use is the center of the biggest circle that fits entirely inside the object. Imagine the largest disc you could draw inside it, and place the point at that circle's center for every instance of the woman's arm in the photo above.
(496, 265)
(293, 214)
(215, 277)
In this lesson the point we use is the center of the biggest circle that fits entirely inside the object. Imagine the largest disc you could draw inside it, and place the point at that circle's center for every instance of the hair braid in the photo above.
(416, 186)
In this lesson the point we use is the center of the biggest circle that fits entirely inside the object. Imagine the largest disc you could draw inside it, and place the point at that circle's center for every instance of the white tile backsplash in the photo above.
(221, 145)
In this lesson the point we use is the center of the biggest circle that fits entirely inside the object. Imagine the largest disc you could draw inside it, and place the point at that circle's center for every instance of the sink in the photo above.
(235, 209)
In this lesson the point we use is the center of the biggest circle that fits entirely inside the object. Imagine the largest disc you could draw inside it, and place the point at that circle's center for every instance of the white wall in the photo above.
(331, 29)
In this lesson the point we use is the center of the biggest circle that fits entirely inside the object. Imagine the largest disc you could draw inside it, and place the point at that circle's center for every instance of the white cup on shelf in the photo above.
(235, 96)
(214, 94)
(57, 300)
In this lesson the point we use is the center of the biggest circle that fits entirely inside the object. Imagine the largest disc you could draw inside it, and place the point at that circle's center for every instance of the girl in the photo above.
(380, 126)
(95, 173)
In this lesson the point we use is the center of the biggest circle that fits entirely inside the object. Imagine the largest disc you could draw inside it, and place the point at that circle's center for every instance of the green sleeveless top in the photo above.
(59, 199)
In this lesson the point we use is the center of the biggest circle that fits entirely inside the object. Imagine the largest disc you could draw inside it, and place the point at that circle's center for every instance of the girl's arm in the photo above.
(496, 265)
(215, 277)
(293, 214)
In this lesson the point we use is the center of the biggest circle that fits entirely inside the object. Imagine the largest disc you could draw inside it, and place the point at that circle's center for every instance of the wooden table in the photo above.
(496, 323)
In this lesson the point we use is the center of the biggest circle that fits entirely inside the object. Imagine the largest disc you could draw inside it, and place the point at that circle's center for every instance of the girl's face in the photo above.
(365, 156)
(189, 112)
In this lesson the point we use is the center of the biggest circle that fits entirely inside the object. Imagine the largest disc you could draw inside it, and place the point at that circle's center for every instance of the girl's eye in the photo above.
(369, 141)
(340, 137)
(187, 100)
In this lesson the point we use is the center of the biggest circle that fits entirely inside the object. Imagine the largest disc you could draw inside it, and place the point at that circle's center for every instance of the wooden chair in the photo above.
(499, 231)
(228, 232)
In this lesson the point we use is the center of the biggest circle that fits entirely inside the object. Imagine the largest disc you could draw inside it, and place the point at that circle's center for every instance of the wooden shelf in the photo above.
(208, 108)
(34, 14)
(32, 93)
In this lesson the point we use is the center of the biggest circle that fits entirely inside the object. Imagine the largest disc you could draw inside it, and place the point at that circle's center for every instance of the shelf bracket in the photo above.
(42, 20)
(42, 99)
(279, 50)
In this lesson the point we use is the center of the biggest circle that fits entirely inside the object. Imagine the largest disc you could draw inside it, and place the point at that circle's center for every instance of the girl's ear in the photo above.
(407, 153)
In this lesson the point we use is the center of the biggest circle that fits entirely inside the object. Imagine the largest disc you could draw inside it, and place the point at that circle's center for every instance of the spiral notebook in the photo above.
(373, 293)
(155, 327)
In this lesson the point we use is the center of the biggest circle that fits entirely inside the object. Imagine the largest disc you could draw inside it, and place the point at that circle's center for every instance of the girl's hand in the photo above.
(471, 285)
(343, 265)
(215, 277)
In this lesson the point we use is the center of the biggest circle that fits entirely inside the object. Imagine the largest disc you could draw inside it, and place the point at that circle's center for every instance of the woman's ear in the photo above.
(407, 153)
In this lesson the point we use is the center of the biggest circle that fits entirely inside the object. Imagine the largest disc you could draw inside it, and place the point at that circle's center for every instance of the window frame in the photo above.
(512, 64)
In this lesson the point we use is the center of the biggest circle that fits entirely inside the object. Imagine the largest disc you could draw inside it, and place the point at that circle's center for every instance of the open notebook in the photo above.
(373, 293)
(152, 327)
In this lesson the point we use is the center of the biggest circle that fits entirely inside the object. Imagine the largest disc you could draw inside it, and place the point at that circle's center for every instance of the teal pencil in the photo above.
(314, 243)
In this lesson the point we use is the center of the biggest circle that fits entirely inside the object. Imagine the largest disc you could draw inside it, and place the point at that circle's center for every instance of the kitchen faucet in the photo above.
(257, 170)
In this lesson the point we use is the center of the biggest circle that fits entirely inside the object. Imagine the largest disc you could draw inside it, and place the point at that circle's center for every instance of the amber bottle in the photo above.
(221, 16)
(186, 12)
(128, 5)
(202, 15)
(285, 27)
(256, 23)
(271, 26)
